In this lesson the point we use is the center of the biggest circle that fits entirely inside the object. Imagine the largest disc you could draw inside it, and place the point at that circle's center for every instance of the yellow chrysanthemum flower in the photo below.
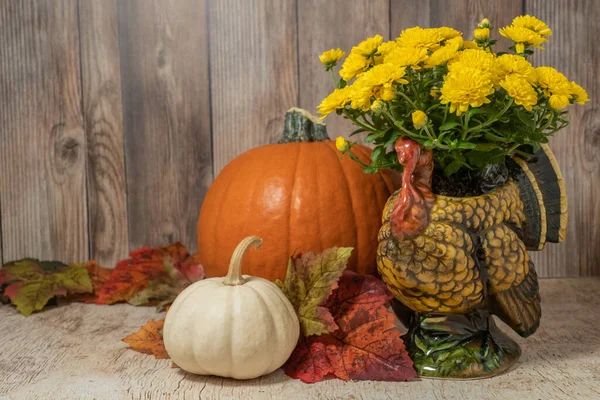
(558, 102)
(446, 33)
(522, 36)
(342, 144)
(354, 64)
(330, 58)
(444, 53)
(418, 37)
(406, 56)
(466, 86)
(513, 64)
(531, 22)
(520, 90)
(552, 82)
(419, 119)
(383, 50)
(359, 58)
(337, 99)
(579, 94)
(376, 82)
(476, 58)
(481, 34)
(369, 46)
(470, 44)
(386, 48)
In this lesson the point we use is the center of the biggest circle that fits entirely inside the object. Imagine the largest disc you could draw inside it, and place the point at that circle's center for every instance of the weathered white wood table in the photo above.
(75, 352)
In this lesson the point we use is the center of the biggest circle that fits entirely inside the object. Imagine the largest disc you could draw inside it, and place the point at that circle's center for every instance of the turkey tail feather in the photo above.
(544, 197)
(519, 306)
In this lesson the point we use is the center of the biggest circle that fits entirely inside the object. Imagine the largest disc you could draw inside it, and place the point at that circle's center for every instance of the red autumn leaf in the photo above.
(191, 268)
(98, 275)
(162, 266)
(367, 345)
(149, 339)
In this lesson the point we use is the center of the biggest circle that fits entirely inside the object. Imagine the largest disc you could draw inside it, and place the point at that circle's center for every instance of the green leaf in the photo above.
(370, 170)
(526, 119)
(473, 111)
(359, 130)
(466, 145)
(31, 283)
(448, 126)
(372, 136)
(309, 282)
(486, 146)
(495, 138)
(376, 154)
(453, 167)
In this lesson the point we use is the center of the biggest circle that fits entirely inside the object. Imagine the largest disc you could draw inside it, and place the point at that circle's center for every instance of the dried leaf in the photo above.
(191, 269)
(157, 290)
(145, 265)
(309, 281)
(98, 275)
(367, 345)
(30, 283)
(149, 339)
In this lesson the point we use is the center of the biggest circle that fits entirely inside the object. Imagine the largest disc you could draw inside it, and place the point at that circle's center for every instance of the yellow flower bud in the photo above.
(342, 144)
(558, 102)
(520, 47)
(377, 106)
(419, 119)
(435, 93)
(485, 23)
(481, 34)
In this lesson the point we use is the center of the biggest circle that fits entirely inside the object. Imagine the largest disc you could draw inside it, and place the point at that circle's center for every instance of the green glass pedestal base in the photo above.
(457, 346)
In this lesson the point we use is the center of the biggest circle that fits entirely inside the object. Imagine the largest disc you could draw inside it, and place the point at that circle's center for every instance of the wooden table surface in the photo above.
(75, 352)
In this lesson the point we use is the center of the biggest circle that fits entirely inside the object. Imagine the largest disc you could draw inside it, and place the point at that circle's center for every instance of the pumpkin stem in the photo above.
(234, 275)
(301, 126)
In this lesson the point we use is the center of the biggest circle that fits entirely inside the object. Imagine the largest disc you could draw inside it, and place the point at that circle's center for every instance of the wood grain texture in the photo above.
(74, 352)
(464, 15)
(42, 144)
(254, 73)
(572, 49)
(166, 107)
(407, 13)
(326, 24)
(103, 123)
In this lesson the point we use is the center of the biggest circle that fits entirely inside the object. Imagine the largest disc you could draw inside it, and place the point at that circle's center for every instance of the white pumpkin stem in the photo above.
(234, 275)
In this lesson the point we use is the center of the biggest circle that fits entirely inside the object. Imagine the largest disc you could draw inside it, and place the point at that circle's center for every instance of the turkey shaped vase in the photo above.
(454, 262)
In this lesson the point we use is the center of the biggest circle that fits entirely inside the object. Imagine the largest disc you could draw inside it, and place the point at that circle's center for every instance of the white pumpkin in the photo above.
(238, 327)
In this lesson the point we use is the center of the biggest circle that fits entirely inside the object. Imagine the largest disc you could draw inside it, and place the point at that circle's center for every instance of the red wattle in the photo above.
(410, 215)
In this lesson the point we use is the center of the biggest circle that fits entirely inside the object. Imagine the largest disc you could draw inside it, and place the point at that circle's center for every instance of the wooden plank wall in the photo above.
(117, 114)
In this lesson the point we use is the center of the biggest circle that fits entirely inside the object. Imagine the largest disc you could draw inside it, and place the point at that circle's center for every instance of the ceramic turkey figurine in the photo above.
(452, 262)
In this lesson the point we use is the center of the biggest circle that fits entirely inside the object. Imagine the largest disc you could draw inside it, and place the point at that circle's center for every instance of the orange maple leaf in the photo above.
(149, 339)
(98, 275)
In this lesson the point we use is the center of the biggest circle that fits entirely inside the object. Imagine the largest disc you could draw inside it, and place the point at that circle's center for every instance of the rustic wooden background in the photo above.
(116, 115)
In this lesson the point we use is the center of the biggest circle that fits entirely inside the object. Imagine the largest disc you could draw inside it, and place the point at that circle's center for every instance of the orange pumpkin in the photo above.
(298, 197)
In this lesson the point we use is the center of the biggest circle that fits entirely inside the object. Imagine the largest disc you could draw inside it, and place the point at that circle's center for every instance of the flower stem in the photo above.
(491, 120)
(333, 79)
(408, 100)
(364, 125)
